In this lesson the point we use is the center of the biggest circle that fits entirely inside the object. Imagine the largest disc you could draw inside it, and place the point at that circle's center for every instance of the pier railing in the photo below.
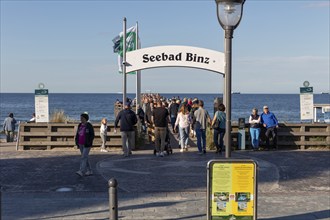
(61, 135)
(55, 135)
(299, 136)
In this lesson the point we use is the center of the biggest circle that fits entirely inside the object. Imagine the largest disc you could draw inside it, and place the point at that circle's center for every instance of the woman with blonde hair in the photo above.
(183, 120)
(103, 133)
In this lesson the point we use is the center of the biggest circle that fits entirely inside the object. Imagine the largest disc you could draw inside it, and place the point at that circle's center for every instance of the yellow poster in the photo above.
(232, 191)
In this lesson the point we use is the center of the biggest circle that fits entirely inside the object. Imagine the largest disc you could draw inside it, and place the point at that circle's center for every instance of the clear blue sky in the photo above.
(67, 45)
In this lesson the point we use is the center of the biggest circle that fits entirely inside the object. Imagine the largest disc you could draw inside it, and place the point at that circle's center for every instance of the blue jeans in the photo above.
(218, 138)
(255, 132)
(201, 139)
(173, 119)
(84, 163)
(184, 136)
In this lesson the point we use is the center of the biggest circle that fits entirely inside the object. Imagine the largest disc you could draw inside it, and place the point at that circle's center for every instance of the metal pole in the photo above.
(228, 49)
(138, 72)
(113, 199)
(124, 62)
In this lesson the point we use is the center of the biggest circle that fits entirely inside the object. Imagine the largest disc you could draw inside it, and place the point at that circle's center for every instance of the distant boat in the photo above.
(236, 93)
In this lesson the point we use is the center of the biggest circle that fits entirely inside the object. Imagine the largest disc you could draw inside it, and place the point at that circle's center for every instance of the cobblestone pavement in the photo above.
(292, 184)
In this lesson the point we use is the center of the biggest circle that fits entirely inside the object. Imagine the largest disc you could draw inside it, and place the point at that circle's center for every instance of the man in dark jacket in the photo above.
(9, 127)
(84, 140)
(173, 111)
(127, 120)
(160, 120)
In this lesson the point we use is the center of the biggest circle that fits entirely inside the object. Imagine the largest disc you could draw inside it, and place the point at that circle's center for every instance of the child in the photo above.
(103, 134)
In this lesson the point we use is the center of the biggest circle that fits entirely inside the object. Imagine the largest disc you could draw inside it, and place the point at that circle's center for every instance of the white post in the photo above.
(124, 62)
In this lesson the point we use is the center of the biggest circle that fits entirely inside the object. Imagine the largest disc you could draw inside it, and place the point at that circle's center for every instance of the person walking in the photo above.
(183, 121)
(9, 127)
(103, 133)
(140, 114)
(270, 122)
(220, 130)
(173, 111)
(254, 121)
(127, 119)
(192, 112)
(84, 140)
(201, 118)
(160, 120)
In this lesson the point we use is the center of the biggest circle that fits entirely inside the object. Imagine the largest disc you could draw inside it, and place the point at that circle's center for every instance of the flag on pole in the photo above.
(131, 45)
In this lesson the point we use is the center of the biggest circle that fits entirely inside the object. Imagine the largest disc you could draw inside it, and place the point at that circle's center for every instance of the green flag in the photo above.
(131, 45)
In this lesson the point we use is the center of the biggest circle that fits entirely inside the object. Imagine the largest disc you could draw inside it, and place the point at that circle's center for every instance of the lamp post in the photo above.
(229, 14)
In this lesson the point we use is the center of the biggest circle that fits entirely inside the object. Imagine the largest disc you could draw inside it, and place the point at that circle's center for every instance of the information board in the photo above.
(41, 105)
(306, 103)
(232, 190)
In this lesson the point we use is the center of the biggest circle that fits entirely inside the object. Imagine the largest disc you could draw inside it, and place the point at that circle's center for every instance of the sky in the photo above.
(67, 45)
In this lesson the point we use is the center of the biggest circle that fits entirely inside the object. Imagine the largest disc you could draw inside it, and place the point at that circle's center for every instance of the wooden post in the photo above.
(302, 137)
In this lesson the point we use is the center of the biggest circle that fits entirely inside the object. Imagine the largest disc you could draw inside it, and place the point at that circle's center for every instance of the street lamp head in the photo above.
(229, 12)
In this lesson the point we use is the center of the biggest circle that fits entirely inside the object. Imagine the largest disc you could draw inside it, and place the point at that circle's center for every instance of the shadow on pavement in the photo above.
(325, 214)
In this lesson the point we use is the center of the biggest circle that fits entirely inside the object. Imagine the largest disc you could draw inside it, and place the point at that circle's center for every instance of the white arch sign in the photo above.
(175, 56)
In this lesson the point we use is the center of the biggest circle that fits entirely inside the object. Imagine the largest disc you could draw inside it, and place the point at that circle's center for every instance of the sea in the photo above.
(286, 107)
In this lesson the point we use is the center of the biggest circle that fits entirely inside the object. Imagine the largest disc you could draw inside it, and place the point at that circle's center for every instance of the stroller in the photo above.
(168, 147)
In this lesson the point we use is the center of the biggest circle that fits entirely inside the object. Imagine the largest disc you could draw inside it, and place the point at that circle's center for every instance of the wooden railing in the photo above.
(52, 135)
(291, 136)
(294, 135)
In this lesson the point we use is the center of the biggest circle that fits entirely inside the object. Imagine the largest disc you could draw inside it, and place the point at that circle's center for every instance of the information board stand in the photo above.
(232, 189)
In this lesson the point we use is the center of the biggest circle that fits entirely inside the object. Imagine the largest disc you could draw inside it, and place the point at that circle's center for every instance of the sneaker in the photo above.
(161, 154)
(104, 150)
(157, 154)
(181, 150)
(79, 173)
(89, 173)
(204, 151)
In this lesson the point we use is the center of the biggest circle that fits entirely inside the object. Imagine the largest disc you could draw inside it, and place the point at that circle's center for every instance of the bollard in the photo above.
(113, 200)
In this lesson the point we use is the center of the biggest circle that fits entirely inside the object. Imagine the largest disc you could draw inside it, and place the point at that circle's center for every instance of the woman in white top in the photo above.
(103, 134)
(183, 121)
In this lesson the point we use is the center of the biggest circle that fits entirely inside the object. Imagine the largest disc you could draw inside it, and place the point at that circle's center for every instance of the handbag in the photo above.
(216, 124)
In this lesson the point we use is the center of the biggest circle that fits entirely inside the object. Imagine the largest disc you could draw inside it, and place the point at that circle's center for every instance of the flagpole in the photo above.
(124, 62)
(138, 73)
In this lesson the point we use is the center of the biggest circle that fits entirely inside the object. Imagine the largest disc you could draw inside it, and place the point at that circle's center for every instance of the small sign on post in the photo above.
(232, 189)
(306, 102)
(41, 103)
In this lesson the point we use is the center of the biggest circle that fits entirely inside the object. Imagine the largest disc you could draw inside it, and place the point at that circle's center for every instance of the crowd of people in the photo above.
(185, 117)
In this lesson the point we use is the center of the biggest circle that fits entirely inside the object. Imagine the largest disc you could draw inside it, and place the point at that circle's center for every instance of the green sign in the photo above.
(306, 89)
(232, 190)
(41, 92)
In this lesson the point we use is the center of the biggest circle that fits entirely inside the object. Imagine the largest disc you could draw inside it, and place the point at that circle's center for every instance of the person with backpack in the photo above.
(84, 140)
(219, 128)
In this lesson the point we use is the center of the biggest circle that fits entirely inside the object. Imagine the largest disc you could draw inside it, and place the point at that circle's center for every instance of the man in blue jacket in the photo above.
(127, 119)
(270, 122)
